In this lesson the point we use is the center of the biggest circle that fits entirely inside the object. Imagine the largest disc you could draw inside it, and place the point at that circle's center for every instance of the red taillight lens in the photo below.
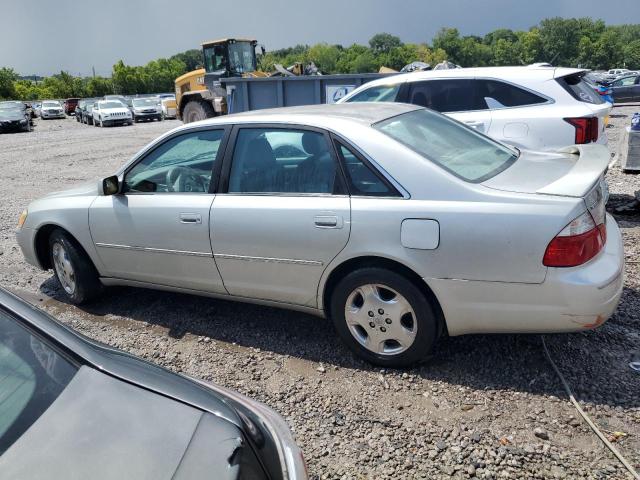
(577, 243)
(586, 129)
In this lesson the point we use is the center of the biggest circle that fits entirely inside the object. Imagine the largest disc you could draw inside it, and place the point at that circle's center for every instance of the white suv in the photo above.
(533, 107)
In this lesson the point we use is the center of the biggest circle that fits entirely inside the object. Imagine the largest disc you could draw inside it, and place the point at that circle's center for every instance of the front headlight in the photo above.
(22, 219)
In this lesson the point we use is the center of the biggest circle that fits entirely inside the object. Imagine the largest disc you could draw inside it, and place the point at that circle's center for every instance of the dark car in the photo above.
(70, 105)
(84, 110)
(626, 89)
(14, 116)
(73, 408)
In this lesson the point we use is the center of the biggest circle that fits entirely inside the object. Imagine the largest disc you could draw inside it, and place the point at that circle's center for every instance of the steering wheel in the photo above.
(185, 179)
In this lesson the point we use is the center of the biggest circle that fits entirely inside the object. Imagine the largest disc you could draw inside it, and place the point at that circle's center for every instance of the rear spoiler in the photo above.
(591, 162)
(560, 72)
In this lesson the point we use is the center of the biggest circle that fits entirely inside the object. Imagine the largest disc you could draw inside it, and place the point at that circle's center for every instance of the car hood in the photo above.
(147, 107)
(571, 171)
(79, 191)
(11, 115)
(106, 429)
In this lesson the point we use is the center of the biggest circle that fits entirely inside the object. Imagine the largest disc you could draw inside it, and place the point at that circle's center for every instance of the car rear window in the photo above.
(458, 149)
(32, 375)
(579, 89)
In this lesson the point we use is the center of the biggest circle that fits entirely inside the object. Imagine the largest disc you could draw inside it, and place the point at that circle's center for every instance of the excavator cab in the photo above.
(230, 57)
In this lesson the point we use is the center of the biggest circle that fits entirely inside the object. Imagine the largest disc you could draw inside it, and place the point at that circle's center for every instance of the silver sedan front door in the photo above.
(282, 216)
(157, 229)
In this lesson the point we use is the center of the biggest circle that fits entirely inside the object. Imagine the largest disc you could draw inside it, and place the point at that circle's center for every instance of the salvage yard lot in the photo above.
(470, 412)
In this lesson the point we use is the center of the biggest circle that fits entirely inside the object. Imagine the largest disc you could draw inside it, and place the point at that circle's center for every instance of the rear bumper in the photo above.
(569, 300)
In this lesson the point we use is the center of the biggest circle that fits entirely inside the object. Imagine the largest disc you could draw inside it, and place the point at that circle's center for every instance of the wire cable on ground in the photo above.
(593, 426)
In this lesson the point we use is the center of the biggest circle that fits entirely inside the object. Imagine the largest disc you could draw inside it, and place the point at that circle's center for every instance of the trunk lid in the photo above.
(570, 172)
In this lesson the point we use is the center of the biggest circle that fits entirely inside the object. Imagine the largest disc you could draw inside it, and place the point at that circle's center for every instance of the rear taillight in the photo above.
(577, 243)
(586, 129)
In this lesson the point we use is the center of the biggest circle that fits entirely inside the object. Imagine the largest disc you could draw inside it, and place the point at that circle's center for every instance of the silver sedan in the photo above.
(399, 224)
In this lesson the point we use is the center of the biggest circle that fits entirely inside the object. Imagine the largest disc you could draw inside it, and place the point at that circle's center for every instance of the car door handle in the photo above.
(190, 218)
(327, 221)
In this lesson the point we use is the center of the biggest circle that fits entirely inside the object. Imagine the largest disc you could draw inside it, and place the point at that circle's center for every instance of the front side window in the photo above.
(445, 142)
(362, 179)
(215, 58)
(625, 82)
(282, 161)
(451, 95)
(182, 164)
(32, 376)
(241, 57)
(496, 94)
(381, 93)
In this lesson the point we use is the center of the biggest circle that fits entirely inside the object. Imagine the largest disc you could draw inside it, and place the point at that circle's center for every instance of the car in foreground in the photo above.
(398, 223)
(146, 108)
(107, 113)
(626, 89)
(74, 408)
(537, 108)
(14, 116)
(51, 109)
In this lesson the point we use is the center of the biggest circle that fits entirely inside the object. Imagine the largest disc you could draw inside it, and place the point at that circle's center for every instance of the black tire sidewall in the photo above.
(426, 318)
(88, 285)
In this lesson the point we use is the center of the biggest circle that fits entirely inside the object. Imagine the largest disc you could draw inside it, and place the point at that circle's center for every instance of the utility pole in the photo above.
(93, 69)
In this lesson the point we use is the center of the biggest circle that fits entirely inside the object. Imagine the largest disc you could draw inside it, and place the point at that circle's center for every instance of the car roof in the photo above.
(321, 116)
(531, 72)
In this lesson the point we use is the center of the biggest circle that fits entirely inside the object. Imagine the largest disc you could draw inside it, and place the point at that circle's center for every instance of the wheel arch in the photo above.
(41, 244)
(349, 265)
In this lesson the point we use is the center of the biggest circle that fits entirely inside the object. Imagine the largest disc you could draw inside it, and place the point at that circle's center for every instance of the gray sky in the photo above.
(45, 36)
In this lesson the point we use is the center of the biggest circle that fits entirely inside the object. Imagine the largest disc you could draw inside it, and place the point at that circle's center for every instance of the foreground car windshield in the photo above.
(143, 102)
(32, 376)
(457, 149)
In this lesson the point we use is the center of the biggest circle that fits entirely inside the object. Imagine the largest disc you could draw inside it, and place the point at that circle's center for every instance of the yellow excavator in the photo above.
(200, 93)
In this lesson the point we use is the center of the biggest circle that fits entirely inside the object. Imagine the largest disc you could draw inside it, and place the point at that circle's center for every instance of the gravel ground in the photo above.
(486, 406)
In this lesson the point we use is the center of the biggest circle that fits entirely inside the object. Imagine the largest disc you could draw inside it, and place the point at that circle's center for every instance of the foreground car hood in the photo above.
(106, 429)
(570, 172)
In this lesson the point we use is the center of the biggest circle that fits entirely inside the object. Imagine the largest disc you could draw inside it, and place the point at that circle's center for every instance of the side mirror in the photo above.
(110, 185)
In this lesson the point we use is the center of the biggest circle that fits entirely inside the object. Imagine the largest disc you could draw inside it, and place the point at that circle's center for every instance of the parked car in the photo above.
(626, 89)
(146, 108)
(87, 113)
(109, 113)
(538, 108)
(78, 112)
(73, 408)
(614, 73)
(14, 116)
(70, 105)
(37, 106)
(169, 106)
(398, 223)
(51, 109)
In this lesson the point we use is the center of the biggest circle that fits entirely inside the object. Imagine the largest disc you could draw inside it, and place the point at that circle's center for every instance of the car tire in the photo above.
(388, 338)
(101, 123)
(73, 269)
(195, 110)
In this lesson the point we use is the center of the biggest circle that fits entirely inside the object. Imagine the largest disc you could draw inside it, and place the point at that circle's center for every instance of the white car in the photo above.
(536, 108)
(51, 109)
(111, 112)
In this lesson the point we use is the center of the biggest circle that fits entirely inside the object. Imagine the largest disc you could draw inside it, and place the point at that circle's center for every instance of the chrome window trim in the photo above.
(291, 261)
(154, 250)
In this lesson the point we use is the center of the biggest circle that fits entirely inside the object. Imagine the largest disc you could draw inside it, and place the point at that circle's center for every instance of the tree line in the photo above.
(573, 42)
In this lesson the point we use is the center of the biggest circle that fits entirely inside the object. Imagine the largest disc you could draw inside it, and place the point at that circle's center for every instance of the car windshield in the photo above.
(145, 102)
(50, 104)
(32, 375)
(6, 107)
(241, 57)
(451, 145)
(111, 104)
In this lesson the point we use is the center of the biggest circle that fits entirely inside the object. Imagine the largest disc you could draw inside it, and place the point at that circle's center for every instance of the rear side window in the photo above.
(579, 89)
(455, 95)
(362, 179)
(32, 376)
(381, 93)
(495, 94)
